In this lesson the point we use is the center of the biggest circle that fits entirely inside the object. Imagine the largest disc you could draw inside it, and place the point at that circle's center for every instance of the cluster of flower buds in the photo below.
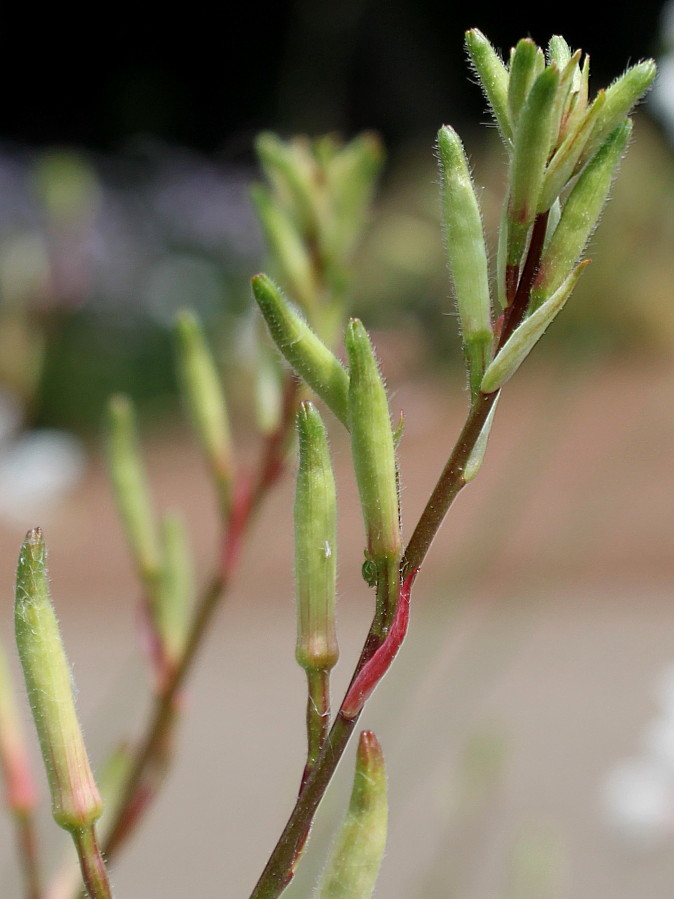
(563, 153)
(312, 213)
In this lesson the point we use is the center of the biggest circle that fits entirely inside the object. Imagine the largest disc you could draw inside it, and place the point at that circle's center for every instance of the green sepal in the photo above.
(307, 355)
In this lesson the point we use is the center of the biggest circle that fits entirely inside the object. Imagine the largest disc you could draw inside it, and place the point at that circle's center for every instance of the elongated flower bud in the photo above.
(172, 610)
(291, 173)
(493, 77)
(373, 448)
(621, 96)
(355, 859)
(579, 216)
(533, 141)
(466, 253)
(526, 336)
(315, 545)
(287, 247)
(76, 803)
(306, 353)
(131, 490)
(205, 402)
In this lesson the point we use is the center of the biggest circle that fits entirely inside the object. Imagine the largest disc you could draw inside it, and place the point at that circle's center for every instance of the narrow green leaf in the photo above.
(526, 336)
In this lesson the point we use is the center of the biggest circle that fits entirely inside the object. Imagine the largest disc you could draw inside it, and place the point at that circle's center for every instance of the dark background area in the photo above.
(210, 78)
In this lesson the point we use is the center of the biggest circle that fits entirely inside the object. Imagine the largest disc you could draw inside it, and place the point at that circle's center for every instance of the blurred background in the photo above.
(529, 722)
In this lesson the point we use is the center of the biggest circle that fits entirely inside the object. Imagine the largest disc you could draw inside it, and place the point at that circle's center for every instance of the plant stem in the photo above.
(91, 863)
(448, 486)
(280, 868)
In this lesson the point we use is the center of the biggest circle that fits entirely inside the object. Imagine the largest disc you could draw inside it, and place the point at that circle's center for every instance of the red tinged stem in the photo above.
(373, 670)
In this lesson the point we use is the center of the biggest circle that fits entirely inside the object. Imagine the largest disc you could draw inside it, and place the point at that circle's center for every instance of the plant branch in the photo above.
(135, 796)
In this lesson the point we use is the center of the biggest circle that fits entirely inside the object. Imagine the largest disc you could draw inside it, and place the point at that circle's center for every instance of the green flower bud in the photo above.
(175, 598)
(205, 402)
(559, 51)
(526, 336)
(351, 176)
(493, 77)
(621, 96)
(315, 546)
(305, 352)
(292, 172)
(358, 851)
(131, 490)
(76, 803)
(526, 64)
(533, 141)
(287, 247)
(373, 448)
(579, 216)
(466, 252)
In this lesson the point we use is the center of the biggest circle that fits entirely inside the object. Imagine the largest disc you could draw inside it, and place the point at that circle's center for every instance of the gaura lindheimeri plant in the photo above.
(563, 152)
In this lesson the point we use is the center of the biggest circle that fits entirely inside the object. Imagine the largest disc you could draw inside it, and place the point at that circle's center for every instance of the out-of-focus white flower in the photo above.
(658, 740)
(638, 801)
(36, 470)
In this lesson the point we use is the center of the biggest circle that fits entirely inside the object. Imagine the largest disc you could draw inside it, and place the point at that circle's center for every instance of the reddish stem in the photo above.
(376, 667)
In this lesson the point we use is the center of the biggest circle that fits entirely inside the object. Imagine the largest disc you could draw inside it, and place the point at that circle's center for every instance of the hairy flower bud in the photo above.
(373, 447)
(356, 856)
(76, 803)
(467, 254)
(205, 402)
(306, 353)
(315, 545)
